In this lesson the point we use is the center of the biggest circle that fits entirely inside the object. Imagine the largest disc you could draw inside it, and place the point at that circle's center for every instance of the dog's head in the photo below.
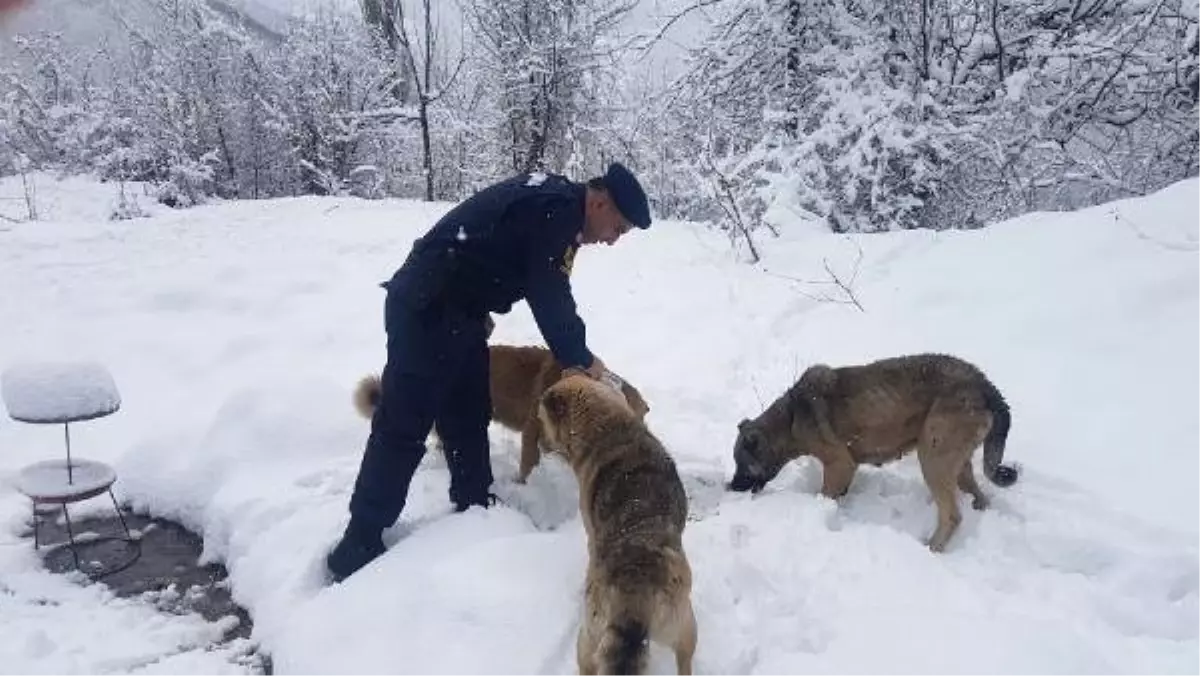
(785, 431)
(756, 456)
(574, 407)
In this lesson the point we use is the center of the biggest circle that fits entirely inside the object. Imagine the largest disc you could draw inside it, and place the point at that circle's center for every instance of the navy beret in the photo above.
(628, 195)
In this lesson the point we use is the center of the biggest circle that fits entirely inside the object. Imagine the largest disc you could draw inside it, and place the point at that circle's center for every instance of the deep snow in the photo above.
(237, 331)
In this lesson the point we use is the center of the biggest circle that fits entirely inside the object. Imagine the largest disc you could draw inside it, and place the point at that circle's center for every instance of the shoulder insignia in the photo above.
(568, 260)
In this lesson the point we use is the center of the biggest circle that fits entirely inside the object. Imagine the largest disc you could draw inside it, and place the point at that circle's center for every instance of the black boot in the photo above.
(358, 547)
(487, 500)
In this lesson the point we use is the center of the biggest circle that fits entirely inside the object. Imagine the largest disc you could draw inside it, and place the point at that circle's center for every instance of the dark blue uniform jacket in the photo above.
(515, 239)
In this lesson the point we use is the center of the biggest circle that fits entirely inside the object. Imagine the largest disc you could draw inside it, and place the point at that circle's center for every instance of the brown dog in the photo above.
(940, 405)
(519, 376)
(634, 509)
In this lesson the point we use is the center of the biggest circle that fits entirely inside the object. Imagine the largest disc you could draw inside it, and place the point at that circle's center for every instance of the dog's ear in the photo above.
(636, 401)
(556, 403)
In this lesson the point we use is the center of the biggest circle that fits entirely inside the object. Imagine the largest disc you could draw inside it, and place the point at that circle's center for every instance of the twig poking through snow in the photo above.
(846, 288)
(1189, 246)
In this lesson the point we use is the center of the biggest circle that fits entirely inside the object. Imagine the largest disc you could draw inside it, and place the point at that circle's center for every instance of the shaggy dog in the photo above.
(940, 405)
(634, 509)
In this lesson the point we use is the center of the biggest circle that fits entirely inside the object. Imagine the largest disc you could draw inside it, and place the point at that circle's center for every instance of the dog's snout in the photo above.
(746, 460)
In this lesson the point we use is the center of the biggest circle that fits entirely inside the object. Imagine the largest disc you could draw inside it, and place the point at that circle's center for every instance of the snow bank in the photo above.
(238, 332)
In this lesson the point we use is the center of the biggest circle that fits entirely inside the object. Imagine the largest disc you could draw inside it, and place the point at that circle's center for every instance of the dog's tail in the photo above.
(993, 444)
(367, 395)
(625, 647)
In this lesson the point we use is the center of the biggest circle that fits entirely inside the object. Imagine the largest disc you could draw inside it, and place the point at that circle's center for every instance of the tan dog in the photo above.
(634, 509)
(940, 405)
(519, 376)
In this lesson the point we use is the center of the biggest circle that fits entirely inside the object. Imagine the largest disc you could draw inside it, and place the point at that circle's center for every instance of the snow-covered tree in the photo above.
(550, 67)
(876, 114)
(856, 114)
(423, 71)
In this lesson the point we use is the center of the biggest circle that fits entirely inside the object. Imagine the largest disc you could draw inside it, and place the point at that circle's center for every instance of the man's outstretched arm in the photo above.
(551, 252)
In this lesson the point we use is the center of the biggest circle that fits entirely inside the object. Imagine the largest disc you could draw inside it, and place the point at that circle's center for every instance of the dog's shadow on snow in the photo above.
(550, 496)
(890, 495)
(893, 496)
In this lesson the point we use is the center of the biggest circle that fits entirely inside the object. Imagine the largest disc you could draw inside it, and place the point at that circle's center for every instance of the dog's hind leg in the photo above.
(585, 651)
(940, 465)
(940, 475)
(966, 482)
(685, 645)
(953, 430)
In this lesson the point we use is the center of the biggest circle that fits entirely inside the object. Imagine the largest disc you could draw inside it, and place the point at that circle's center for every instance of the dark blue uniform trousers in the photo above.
(436, 372)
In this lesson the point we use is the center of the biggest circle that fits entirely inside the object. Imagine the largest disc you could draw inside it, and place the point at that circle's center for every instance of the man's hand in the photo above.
(600, 373)
(596, 371)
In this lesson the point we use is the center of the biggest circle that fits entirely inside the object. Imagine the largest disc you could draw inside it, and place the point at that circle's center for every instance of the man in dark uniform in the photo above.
(515, 239)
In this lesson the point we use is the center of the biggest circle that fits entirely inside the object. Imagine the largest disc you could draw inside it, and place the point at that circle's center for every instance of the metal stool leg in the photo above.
(128, 535)
(37, 522)
(71, 538)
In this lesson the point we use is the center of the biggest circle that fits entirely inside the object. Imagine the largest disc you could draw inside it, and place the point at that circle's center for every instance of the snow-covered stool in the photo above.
(54, 393)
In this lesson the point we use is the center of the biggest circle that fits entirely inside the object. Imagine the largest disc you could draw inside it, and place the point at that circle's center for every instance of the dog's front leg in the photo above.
(530, 452)
(839, 467)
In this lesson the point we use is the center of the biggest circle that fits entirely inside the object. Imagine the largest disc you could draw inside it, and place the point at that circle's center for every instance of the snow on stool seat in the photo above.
(59, 392)
(48, 481)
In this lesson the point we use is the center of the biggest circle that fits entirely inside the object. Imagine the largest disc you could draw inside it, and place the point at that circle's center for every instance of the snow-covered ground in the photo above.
(237, 331)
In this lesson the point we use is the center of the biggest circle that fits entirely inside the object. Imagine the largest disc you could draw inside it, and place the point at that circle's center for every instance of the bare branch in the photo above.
(728, 202)
(1190, 246)
(699, 4)
(844, 294)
